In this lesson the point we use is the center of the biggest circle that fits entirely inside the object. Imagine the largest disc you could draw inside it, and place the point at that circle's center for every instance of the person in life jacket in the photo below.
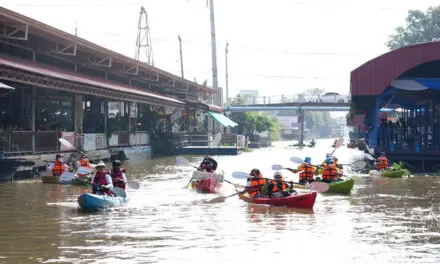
(330, 173)
(382, 162)
(278, 187)
(102, 181)
(208, 164)
(308, 171)
(117, 173)
(58, 166)
(85, 163)
(255, 183)
(338, 165)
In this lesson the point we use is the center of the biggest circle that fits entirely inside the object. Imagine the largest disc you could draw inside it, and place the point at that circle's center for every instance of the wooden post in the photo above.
(34, 94)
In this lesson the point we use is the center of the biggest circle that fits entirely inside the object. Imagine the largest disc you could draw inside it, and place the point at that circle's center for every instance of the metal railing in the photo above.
(282, 99)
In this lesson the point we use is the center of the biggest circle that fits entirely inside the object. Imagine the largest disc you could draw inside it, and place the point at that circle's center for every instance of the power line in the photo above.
(77, 5)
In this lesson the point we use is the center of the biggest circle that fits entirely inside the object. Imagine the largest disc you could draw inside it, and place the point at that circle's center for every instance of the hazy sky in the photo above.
(277, 46)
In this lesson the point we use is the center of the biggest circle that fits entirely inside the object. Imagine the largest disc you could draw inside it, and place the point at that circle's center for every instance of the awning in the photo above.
(5, 89)
(223, 120)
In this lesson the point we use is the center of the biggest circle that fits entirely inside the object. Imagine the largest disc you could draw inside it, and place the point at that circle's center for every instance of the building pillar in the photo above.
(78, 113)
(301, 126)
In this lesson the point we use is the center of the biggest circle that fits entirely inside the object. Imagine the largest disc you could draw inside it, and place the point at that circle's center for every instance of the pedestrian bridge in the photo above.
(279, 103)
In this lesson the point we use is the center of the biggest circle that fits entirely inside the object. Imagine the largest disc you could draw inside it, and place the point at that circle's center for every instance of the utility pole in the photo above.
(227, 77)
(213, 49)
(181, 56)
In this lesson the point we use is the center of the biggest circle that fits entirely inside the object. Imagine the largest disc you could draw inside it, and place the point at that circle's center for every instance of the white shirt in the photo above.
(108, 179)
(124, 177)
(50, 167)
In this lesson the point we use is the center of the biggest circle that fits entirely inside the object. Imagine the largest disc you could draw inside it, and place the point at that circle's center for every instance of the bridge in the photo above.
(283, 103)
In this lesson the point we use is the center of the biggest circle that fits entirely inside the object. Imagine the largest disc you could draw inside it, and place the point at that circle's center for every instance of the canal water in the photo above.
(382, 221)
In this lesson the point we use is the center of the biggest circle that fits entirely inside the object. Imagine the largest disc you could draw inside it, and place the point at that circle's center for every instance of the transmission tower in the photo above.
(143, 41)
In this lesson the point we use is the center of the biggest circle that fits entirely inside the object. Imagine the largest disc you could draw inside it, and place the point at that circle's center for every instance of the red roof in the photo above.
(48, 32)
(373, 77)
(215, 108)
(78, 78)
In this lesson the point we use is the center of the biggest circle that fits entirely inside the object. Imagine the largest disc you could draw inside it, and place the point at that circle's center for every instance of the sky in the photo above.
(276, 47)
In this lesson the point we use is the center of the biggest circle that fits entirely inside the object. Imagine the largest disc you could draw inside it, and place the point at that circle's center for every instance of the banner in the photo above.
(89, 142)
(69, 137)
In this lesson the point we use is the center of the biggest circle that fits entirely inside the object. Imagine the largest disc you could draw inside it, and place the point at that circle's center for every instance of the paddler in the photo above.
(208, 164)
(278, 187)
(382, 162)
(85, 163)
(117, 173)
(102, 181)
(58, 166)
(330, 173)
(307, 171)
(255, 183)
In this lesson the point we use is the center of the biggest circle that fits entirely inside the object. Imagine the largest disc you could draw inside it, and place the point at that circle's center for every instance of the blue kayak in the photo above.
(92, 202)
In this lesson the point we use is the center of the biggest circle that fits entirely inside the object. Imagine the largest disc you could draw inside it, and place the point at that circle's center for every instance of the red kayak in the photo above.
(303, 200)
(207, 186)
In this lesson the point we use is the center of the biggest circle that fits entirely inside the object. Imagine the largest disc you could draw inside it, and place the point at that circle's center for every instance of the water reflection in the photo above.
(390, 220)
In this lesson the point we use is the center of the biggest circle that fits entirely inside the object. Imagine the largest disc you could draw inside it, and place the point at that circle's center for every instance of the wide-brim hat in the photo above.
(100, 164)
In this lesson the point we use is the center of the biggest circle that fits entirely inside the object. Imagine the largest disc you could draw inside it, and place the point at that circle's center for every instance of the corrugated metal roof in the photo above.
(68, 76)
(374, 76)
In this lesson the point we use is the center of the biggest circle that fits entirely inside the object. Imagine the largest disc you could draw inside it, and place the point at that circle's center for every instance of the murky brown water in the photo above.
(383, 221)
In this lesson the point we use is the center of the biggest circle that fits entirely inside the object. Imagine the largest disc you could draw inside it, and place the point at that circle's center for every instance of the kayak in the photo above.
(80, 181)
(206, 182)
(399, 173)
(303, 200)
(341, 187)
(92, 202)
(50, 179)
(207, 186)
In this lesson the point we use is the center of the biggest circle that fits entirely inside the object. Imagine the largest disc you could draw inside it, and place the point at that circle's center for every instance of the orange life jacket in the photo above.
(259, 181)
(116, 176)
(85, 164)
(382, 164)
(275, 185)
(308, 172)
(58, 168)
(329, 174)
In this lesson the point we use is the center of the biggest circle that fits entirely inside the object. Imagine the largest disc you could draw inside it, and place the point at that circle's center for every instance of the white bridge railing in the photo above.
(282, 99)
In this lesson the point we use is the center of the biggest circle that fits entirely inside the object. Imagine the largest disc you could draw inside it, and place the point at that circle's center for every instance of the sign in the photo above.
(89, 142)
(69, 137)
(288, 122)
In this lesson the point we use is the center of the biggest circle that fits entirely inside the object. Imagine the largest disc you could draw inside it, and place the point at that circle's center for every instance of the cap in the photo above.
(278, 174)
(59, 155)
(308, 159)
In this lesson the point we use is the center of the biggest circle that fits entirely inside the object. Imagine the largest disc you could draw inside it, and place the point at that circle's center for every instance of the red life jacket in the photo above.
(100, 179)
(58, 168)
(116, 176)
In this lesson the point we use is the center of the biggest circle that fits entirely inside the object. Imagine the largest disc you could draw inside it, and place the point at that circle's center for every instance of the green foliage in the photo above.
(3, 140)
(258, 122)
(420, 27)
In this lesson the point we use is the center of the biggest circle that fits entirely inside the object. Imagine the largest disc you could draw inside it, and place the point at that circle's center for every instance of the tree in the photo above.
(314, 92)
(420, 27)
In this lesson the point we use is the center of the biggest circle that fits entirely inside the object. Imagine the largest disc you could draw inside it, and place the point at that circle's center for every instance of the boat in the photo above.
(50, 179)
(82, 181)
(341, 187)
(207, 186)
(302, 200)
(92, 202)
(399, 173)
(206, 182)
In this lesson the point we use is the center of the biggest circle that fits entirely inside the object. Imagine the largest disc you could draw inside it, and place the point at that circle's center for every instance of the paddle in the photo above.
(67, 144)
(115, 190)
(359, 164)
(223, 198)
(314, 186)
(184, 162)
